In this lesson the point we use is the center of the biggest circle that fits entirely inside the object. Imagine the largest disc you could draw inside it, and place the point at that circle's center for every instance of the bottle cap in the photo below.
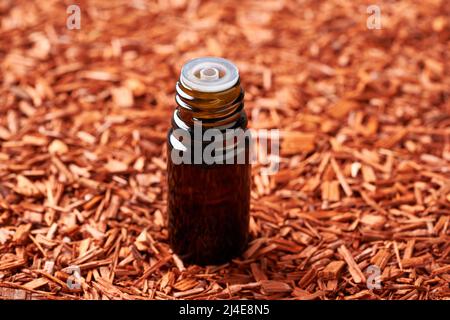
(209, 74)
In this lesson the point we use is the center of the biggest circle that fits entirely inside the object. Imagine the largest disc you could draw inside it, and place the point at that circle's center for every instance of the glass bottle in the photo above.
(208, 164)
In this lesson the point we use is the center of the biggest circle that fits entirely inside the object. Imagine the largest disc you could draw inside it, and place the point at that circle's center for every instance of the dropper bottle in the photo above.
(208, 164)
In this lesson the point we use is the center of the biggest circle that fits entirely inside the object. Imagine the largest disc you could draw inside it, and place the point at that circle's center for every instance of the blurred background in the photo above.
(359, 90)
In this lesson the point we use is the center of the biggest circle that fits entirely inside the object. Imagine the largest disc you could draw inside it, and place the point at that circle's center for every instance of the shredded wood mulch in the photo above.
(364, 179)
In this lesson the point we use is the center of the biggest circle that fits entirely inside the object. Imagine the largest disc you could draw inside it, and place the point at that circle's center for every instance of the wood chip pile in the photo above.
(364, 179)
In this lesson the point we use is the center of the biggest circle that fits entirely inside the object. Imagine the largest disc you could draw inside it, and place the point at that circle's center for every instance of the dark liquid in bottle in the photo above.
(208, 211)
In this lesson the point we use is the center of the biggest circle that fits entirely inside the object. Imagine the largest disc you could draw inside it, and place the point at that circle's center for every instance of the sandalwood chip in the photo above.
(22, 233)
(34, 140)
(271, 286)
(296, 142)
(26, 187)
(37, 283)
(417, 261)
(332, 270)
(115, 166)
(373, 220)
(341, 108)
(58, 147)
(123, 97)
(136, 86)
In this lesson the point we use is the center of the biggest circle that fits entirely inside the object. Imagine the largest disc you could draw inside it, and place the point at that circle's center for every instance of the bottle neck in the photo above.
(214, 109)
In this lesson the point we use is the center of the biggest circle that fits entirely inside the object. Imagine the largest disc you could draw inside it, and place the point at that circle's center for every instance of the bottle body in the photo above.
(208, 210)
(208, 203)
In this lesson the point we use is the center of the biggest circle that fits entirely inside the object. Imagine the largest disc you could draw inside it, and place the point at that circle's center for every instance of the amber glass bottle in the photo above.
(208, 201)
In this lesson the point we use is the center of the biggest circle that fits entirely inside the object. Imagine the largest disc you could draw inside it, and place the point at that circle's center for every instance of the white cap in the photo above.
(209, 74)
